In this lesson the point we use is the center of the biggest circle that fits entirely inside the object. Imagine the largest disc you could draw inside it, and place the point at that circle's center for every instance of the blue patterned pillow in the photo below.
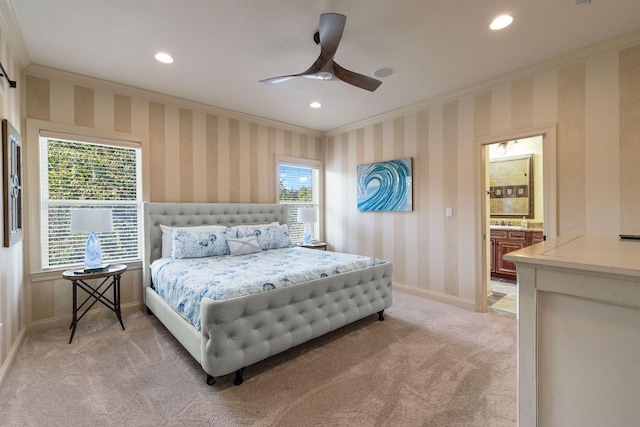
(272, 237)
(187, 243)
(166, 235)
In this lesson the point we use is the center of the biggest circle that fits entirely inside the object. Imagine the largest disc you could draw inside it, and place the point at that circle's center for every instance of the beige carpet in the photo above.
(427, 364)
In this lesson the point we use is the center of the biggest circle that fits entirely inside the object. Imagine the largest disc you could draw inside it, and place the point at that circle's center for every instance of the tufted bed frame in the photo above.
(239, 332)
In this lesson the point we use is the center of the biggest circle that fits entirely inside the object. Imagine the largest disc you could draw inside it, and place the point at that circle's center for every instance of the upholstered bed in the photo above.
(241, 331)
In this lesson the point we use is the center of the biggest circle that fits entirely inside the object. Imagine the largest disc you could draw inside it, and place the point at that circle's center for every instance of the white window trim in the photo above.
(31, 170)
(307, 163)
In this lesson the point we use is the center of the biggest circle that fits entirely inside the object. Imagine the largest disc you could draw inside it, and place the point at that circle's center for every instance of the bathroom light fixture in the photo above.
(501, 22)
(502, 148)
(163, 57)
(315, 104)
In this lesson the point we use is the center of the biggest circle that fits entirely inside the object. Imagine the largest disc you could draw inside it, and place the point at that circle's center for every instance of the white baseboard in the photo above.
(13, 353)
(100, 313)
(436, 296)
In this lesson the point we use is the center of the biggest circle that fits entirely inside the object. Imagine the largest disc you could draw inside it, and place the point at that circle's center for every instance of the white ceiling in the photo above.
(222, 48)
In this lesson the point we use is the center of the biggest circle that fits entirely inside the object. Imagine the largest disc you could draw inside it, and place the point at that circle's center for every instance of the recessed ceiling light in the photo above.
(164, 57)
(315, 104)
(501, 22)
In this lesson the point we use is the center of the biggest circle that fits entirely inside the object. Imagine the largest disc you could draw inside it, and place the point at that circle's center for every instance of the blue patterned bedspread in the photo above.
(183, 283)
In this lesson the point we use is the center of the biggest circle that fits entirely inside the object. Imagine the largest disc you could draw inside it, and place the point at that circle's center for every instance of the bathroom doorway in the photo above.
(516, 214)
(518, 209)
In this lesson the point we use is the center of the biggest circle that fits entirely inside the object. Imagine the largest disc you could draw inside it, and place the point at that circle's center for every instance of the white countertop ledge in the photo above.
(596, 252)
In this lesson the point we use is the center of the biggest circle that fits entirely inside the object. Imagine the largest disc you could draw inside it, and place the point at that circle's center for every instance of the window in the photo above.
(88, 174)
(299, 186)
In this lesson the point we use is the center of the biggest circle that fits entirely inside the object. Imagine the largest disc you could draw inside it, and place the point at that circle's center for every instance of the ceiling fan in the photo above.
(325, 68)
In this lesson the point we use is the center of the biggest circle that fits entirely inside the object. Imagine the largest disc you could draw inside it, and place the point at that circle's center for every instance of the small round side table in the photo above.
(111, 279)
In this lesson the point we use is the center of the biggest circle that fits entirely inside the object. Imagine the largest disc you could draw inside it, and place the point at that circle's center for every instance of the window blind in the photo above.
(298, 189)
(88, 175)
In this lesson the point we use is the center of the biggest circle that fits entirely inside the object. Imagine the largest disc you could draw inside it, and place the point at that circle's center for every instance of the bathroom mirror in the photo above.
(511, 187)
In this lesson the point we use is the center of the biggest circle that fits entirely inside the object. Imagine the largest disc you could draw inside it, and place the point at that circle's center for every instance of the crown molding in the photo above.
(616, 43)
(9, 22)
(48, 72)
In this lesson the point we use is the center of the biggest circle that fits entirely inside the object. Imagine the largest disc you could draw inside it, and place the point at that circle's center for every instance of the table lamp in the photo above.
(306, 215)
(91, 221)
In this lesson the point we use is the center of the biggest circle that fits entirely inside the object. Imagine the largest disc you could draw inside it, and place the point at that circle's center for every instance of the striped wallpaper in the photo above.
(196, 154)
(596, 105)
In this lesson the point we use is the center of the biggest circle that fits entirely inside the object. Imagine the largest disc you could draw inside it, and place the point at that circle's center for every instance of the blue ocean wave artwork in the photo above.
(385, 186)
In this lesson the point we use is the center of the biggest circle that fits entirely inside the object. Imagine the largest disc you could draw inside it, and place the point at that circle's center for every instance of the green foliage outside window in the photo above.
(80, 172)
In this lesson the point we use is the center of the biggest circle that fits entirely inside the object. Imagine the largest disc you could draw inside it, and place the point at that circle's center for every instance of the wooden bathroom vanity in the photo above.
(508, 239)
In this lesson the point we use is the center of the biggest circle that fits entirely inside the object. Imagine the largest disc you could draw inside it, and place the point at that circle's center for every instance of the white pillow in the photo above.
(243, 245)
(166, 235)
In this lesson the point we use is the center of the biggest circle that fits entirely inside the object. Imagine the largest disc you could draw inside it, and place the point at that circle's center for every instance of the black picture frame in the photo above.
(12, 183)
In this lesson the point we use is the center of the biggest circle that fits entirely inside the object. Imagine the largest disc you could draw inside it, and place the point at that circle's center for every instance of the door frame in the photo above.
(549, 176)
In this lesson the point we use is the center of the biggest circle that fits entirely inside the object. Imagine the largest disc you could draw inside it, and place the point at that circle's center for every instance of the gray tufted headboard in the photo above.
(192, 214)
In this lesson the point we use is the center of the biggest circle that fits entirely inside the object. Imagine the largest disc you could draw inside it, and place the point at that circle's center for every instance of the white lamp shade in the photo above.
(91, 221)
(306, 214)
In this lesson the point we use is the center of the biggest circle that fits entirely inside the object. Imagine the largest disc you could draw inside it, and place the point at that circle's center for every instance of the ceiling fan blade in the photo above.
(359, 80)
(280, 79)
(330, 32)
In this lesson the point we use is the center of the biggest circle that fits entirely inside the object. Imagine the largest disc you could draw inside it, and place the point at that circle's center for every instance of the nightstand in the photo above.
(111, 276)
(322, 246)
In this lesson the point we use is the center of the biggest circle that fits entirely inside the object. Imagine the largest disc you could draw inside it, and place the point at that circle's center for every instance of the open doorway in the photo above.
(516, 214)
(518, 208)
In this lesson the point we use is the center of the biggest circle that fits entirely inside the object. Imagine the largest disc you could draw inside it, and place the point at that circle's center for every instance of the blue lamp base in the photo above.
(306, 237)
(93, 254)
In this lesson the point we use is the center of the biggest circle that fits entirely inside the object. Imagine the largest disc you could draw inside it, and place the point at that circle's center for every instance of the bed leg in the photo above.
(210, 380)
(149, 312)
(381, 315)
(238, 379)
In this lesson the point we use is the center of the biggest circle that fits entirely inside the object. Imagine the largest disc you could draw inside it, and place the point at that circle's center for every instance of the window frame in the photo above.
(33, 167)
(318, 198)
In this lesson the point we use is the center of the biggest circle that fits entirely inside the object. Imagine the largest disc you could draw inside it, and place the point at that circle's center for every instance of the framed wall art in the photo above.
(12, 183)
(385, 186)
